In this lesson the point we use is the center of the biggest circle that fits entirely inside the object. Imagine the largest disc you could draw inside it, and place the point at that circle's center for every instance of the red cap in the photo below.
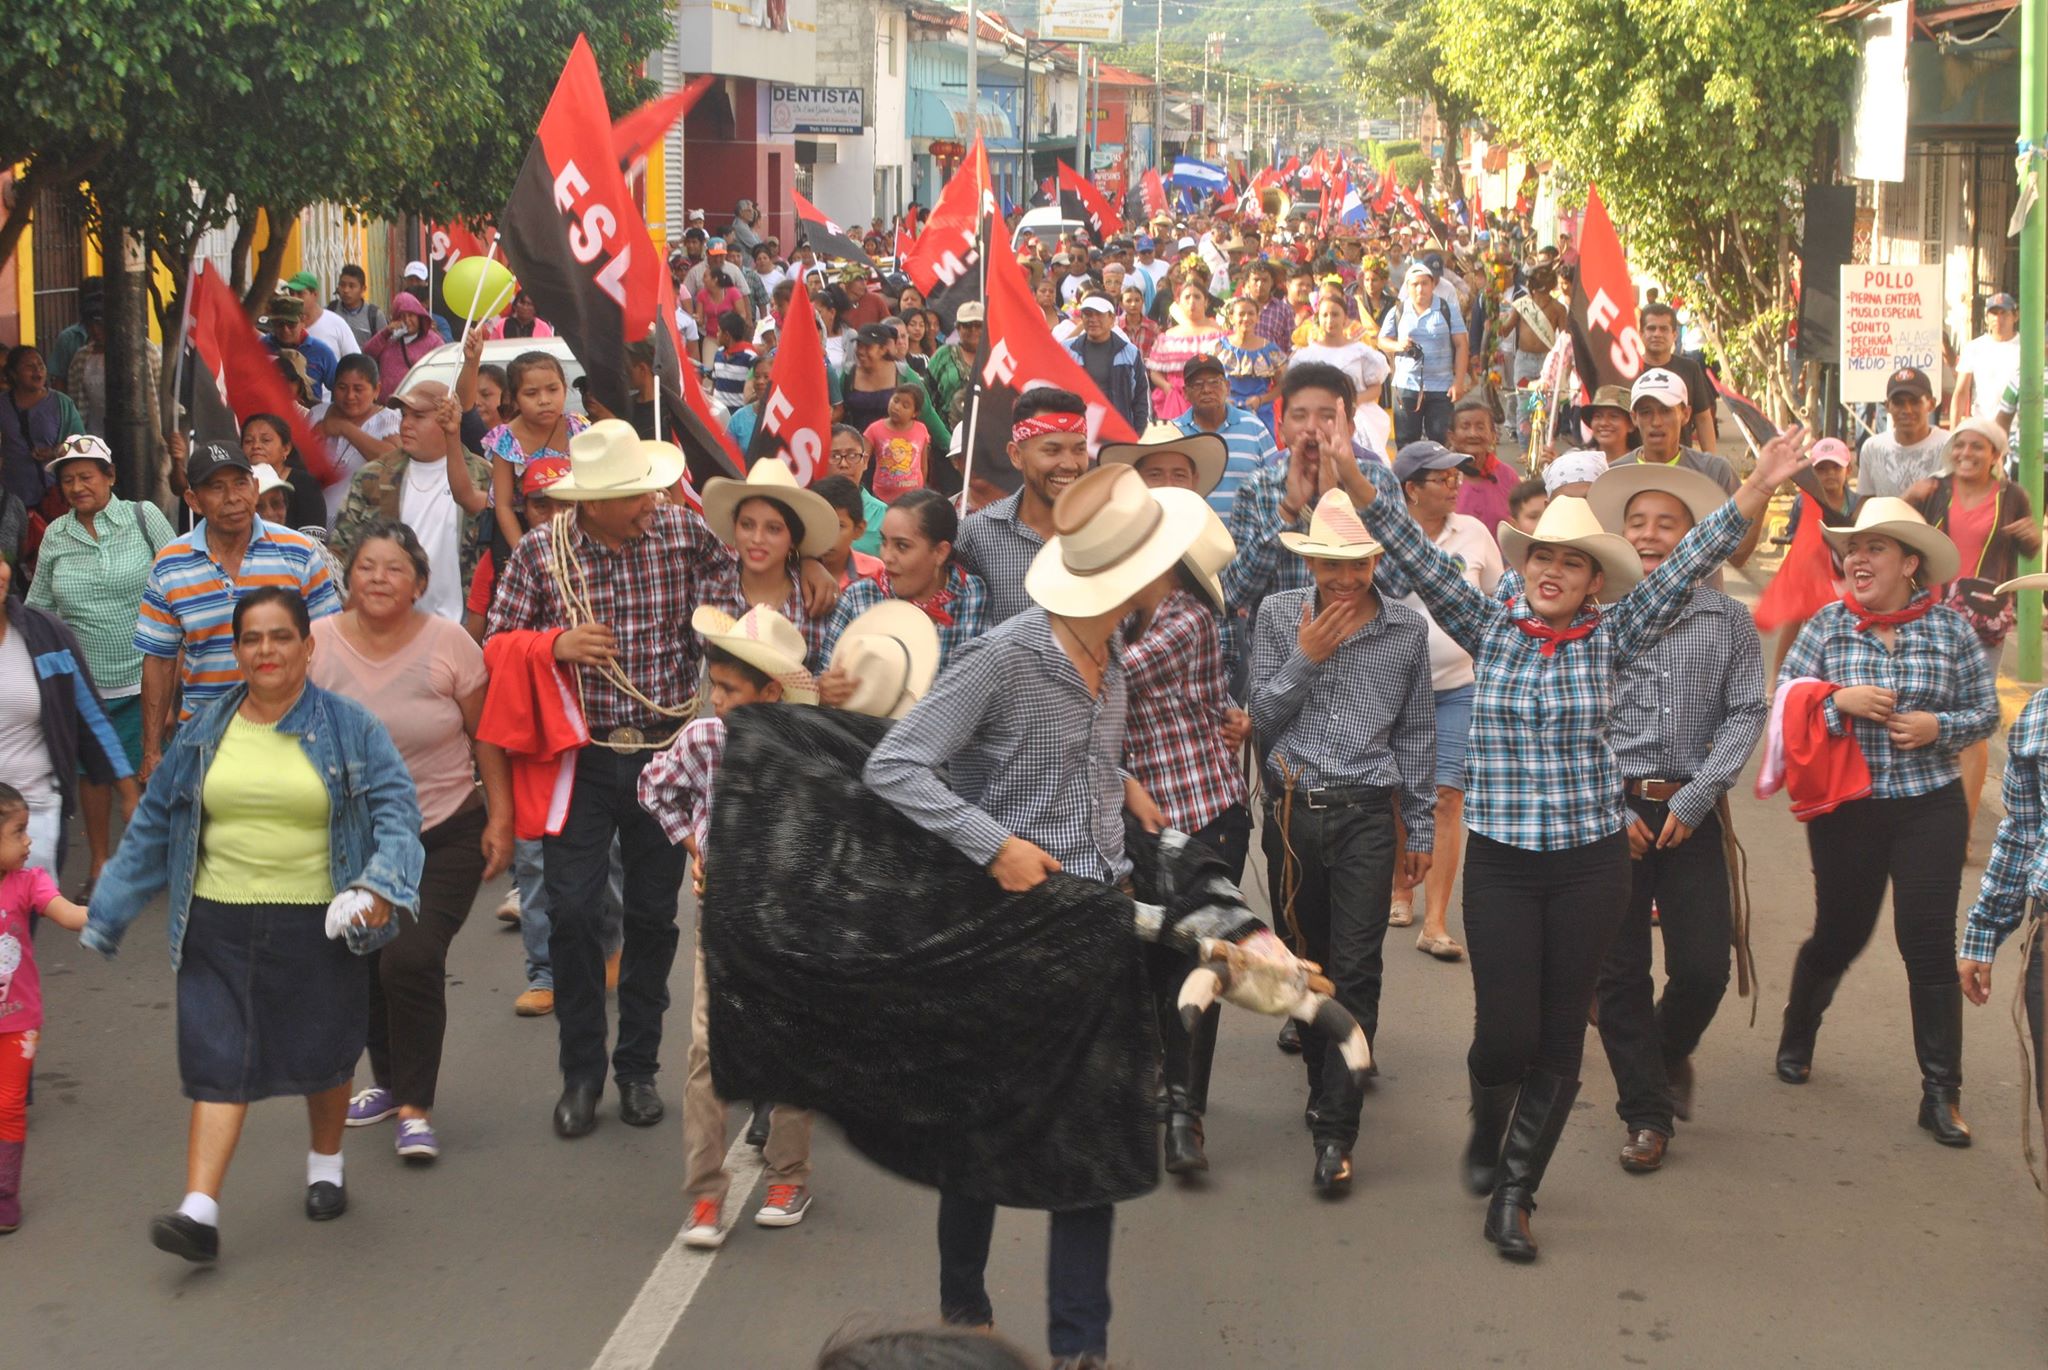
(541, 473)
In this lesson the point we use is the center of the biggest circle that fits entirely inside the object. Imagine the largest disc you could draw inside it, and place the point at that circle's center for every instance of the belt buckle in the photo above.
(625, 737)
(1309, 797)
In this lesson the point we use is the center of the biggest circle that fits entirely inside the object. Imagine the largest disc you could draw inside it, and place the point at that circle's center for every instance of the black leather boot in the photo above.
(1201, 1057)
(1938, 1042)
(1184, 1155)
(1492, 1107)
(1811, 994)
(1188, 1098)
(1540, 1114)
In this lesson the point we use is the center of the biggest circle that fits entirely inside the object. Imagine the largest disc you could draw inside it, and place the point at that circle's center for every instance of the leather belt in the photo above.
(1342, 796)
(1655, 791)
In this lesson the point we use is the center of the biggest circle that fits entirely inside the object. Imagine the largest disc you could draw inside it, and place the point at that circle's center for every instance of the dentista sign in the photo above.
(815, 109)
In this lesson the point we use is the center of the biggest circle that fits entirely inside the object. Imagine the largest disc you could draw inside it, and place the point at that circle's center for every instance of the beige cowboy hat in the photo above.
(1112, 536)
(771, 478)
(2037, 580)
(1569, 521)
(1889, 516)
(608, 460)
(765, 640)
(1206, 452)
(1212, 549)
(891, 650)
(1613, 489)
(1335, 532)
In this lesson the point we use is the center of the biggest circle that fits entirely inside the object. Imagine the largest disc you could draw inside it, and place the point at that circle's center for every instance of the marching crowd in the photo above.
(1312, 605)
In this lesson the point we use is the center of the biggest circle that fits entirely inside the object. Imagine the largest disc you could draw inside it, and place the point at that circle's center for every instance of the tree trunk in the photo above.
(263, 276)
(131, 426)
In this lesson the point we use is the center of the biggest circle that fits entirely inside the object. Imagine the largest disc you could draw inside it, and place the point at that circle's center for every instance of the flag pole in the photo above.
(973, 420)
(184, 339)
(654, 340)
(470, 319)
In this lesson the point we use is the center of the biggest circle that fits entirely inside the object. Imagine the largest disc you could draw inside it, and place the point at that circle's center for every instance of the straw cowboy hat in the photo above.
(771, 478)
(1889, 516)
(1569, 521)
(891, 650)
(1212, 549)
(1205, 452)
(608, 460)
(1112, 536)
(1617, 485)
(1335, 532)
(765, 640)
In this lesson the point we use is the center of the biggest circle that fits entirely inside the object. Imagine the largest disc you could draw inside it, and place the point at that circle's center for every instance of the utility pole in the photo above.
(1159, 89)
(1082, 113)
(2033, 295)
(974, 74)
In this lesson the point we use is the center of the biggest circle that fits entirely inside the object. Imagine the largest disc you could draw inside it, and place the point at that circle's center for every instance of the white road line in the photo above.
(673, 1284)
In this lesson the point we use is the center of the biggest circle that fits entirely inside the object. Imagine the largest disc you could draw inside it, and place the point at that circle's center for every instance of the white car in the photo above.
(1046, 222)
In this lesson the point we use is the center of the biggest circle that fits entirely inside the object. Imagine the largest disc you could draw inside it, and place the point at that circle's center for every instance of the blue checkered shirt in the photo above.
(995, 546)
(1029, 752)
(969, 612)
(1249, 449)
(1541, 774)
(1937, 667)
(1366, 715)
(1691, 707)
(2014, 877)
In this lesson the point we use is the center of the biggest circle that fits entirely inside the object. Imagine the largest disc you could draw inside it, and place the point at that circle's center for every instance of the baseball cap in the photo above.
(1417, 457)
(1572, 467)
(422, 399)
(1203, 365)
(1097, 304)
(81, 447)
(971, 312)
(1185, 244)
(541, 473)
(1660, 385)
(875, 335)
(283, 309)
(414, 271)
(1417, 271)
(1145, 243)
(209, 458)
(2002, 300)
(304, 280)
(1910, 379)
(1062, 259)
(1608, 397)
(764, 329)
(1832, 450)
(714, 246)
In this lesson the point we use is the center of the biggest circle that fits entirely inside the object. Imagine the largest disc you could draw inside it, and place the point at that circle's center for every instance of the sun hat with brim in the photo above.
(1212, 549)
(1335, 532)
(2037, 580)
(1891, 517)
(1569, 521)
(1206, 452)
(771, 479)
(765, 640)
(608, 460)
(1112, 536)
(891, 650)
(1617, 485)
(81, 447)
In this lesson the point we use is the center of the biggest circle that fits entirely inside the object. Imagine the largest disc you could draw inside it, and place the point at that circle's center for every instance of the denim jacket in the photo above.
(373, 828)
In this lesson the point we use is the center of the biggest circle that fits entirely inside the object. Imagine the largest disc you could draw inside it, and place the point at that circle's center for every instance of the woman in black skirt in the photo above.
(284, 825)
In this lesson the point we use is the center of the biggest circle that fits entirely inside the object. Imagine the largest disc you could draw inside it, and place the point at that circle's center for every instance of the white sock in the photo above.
(201, 1208)
(320, 1168)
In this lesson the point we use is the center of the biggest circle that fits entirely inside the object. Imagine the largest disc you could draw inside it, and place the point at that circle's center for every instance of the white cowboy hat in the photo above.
(2037, 580)
(1335, 532)
(771, 478)
(1206, 452)
(1212, 549)
(1617, 485)
(1889, 516)
(608, 460)
(1569, 521)
(892, 651)
(765, 640)
(1112, 536)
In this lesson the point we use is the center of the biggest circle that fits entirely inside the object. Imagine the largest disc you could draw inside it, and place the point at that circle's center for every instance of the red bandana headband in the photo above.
(1038, 425)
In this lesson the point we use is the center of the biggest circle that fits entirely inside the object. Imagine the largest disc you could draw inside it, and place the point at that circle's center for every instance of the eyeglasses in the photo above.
(847, 458)
(1450, 480)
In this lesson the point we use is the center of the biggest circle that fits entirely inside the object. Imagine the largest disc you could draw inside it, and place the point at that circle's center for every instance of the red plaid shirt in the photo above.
(644, 592)
(1173, 740)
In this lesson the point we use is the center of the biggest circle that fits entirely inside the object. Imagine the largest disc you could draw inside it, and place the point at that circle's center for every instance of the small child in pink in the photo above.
(898, 445)
(24, 893)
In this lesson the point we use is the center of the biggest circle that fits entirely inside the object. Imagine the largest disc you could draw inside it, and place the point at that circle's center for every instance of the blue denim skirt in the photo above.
(267, 1005)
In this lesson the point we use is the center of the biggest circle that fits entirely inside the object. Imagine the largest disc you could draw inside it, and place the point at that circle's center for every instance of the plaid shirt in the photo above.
(1276, 323)
(644, 592)
(1541, 774)
(997, 547)
(722, 590)
(1028, 750)
(1179, 695)
(969, 612)
(2014, 877)
(675, 784)
(1691, 707)
(1364, 716)
(1937, 667)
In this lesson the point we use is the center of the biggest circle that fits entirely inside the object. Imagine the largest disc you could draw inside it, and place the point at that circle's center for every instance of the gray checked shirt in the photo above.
(1692, 706)
(997, 547)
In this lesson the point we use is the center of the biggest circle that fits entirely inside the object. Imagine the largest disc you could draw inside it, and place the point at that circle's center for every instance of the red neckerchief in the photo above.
(1553, 638)
(1487, 464)
(938, 606)
(1869, 619)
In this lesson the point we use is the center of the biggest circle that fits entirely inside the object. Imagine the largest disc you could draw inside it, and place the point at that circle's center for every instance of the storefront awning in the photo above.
(943, 114)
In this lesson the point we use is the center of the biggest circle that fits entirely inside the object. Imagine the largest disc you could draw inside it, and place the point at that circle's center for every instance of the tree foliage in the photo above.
(1392, 50)
(1697, 119)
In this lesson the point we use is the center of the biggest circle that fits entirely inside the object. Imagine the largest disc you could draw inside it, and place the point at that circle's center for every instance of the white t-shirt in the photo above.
(24, 755)
(1465, 538)
(333, 330)
(427, 506)
(1155, 270)
(1074, 287)
(1367, 366)
(347, 457)
(1994, 364)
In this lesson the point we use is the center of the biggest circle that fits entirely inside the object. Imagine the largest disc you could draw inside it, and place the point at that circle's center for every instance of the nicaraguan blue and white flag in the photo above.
(1200, 176)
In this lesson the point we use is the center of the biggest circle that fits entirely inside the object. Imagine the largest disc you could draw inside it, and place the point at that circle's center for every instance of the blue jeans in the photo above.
(1076, 1272)
(533, 911)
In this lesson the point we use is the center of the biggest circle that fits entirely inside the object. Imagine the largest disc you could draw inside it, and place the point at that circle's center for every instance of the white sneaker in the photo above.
(785, 1206)
(704, 1233)
(508, 907)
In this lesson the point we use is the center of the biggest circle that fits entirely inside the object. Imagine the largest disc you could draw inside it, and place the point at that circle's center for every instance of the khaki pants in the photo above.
(788, 1155)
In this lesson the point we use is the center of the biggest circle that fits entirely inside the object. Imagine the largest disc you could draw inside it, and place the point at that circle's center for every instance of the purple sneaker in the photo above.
(373, 1105)
(416, 1140)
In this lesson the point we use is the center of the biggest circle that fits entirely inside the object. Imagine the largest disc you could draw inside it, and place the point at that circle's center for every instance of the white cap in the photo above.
(1185, 244)
(971, 312)
(1418, 271)
(1660, 385)
(1098, 304)
(764, 328)
(413, 269)
(1572, 467)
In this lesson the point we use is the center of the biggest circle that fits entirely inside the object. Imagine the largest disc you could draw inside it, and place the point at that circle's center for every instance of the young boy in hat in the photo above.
(1346, 719)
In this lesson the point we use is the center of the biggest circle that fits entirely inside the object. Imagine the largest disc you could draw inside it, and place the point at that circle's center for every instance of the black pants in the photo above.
(1689, 885)
(1076, 1272)
(1420, 414)
(1917, 846)
(1344, 866)
(409, 975)
(605, 803)
(1537, 925)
